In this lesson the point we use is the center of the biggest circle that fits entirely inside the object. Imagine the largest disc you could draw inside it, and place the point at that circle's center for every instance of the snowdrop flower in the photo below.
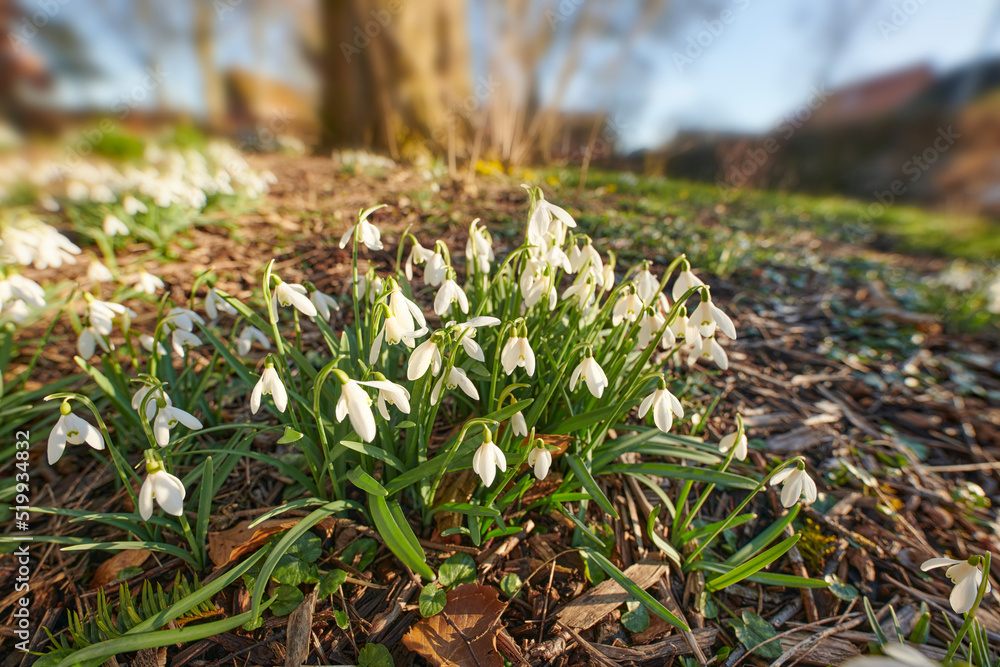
(147, 344)
(425, 357)
(370, 286)
(796, 484)
(404, 310)
(967, 575)
(449, 294)
(368, 234)
(647, 285)
(896, 655)
(17, 287)
(685, 281)
(160, 485)
(665, 407)
(707, 348)
(517, 352)
(392, 332)
(167, 418)
(131, 205)
(548, 222)
(112, 226)
(479, 247)
(290, 294)
(182, 318)
(455, 379)
(180, 340)
(730, 441)
(418, 255)
(269, 384)
(592, 373)
(98, 273)
(90, 339)
(100, 314)
(583, 290)
(539, 285)
(356, 404)
(649, 327)
(518, 425)
(325, 304)
(587, 258)
(627, 308)
(466, 333)
(73, 430)
(390, 393)
(155, 395)
(540, 459)
(488, 459)
(147, 283)
(215, 304)
(436, 270)
(248, 337)
(708, 317)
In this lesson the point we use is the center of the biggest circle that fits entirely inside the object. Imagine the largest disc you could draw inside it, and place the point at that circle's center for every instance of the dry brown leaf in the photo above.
(109, 569)
(228, 545)
(464, 634)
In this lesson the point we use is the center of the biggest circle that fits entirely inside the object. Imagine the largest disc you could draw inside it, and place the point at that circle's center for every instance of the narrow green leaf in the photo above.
(647, 600)
(366, 482)
(590, 484)
(752, 566)
(725, 479)
(398, 536)
(754, 546)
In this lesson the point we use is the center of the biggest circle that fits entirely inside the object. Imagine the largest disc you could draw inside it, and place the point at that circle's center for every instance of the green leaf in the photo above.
(287, 599)
(756, 563)
(398, 535)
(432, 599)
(661, 544)
(841, 589)
(366, 482)
(764, 538)
(330, 583)
(291, 571)
(636, 619)
(290, 435)
(579, 469)
(375, 655)
(647, 600)
(511, 584)
(766, 578)
(921, 629)
(307, 548)
(752, 630)
(584, 420)
(340, 616)
(459, 569)
(724, 479)
(366, 546)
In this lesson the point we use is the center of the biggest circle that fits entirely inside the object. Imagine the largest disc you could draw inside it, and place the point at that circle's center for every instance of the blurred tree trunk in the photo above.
(394, 74)
(204, 43)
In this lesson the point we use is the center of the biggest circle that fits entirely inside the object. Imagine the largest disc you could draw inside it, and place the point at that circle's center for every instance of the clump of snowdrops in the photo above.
(548, 362)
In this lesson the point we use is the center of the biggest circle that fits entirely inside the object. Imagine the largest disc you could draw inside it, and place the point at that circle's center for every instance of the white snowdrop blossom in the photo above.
(419, 255)
(18, 288)
(147, 344)
(627, 308)
(540, 459)
(665, 407)
(649, 327)
(325, 304)
(456, 378)
(182, 318)
(685, 281)
(967, 575)
(647, 286)
(112, 226)
(548, 223)
(425, 357)
(368, 234)
(248, 337)
(356, 404)
(466, 334)
(450, 293)
(797, 484)
(593, 375)
(215, 304)
(896, 655)
(147, 283)
(517, 352)
(290, 294)
(160, 485)
(479, 247)
(269, 384)
(155, 395)
(73, 430)
(436, 270)
(167, 418)
(583, 290)
(518, 426)
(89, 340)
(390, 393)
(488, 459)
(131, 205)
(708, 317)
(408, 314)
(730, 441)
(706, 348)
(101, 314)
(98, 273)
(181, 340)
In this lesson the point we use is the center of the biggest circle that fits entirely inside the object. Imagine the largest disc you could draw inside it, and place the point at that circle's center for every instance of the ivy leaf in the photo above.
(366, 546)
(290, 571)
(636, 619)
(459, 569)
(753, 630)
(307, 548)
(375, 655)
(841, 589)
(340, 616)
(288, 599)
(510, 584)
(432, 600)
(330, 583)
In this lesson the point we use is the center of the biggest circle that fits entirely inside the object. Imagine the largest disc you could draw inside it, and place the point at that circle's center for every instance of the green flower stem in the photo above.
(970, 616)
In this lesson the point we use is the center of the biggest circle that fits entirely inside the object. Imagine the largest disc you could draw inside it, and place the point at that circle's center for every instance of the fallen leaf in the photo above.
(228, 545)
(109, 569)
(464, 633)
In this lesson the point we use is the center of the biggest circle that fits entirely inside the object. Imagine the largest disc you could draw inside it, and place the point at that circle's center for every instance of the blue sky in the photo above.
(765, 63)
